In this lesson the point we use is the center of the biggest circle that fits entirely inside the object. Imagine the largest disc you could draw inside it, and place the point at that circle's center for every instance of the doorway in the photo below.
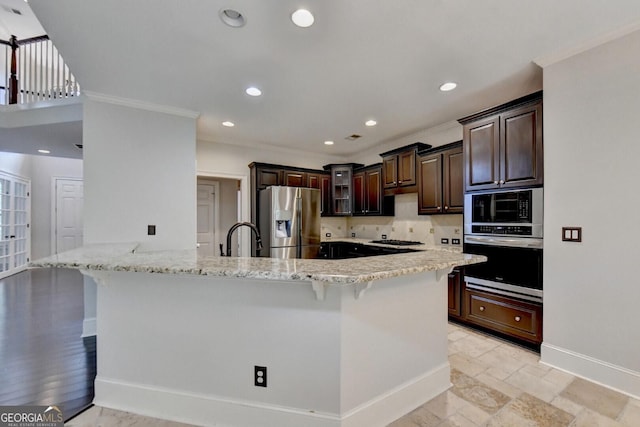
(68, 203)
(217, 211)
(15, 219)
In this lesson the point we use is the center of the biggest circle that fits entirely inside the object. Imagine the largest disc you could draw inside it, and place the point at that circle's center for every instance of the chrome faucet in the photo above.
(243, 224)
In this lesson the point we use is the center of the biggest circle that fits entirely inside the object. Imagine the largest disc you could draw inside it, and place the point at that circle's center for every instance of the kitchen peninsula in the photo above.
(344, 342)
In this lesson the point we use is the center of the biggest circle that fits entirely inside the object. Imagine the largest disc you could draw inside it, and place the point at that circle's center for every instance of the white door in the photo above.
(15, 216)
(68, 214)
(206, 220)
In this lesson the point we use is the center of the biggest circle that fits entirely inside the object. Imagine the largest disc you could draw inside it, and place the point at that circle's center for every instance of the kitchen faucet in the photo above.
(238, 225)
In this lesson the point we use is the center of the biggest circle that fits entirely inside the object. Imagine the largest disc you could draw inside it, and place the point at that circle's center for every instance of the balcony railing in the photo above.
(34, 71)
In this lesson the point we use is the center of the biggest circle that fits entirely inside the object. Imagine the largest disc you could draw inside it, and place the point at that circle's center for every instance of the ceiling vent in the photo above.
(78, 146)
(11, 10)
(353, 137)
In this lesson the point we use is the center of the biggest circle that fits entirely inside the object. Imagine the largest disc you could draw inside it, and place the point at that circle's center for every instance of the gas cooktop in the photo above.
(396, 242)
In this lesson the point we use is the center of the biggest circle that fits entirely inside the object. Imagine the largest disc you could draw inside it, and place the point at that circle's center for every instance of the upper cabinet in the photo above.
(399, 169)
(294, 178)
(503, 145)
(342, 188)
(367, 192)
(322, 181)
(265, 176)
(440, 180)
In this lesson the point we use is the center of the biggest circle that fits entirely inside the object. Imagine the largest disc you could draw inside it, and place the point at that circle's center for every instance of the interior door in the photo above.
(15, 216)
(68, 214)
(206, 220)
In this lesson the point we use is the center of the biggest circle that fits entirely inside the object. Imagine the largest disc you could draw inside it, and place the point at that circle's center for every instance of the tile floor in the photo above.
(494, 384)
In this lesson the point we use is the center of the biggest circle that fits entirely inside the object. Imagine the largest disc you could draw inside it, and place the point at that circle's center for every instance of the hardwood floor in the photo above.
(43, 358)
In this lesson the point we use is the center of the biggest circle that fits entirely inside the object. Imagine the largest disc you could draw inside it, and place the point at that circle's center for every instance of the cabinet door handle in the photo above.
(501, 181)
(517, 318)
(399, 182)
(446, 208)
(482, 308)
(438, 208)
(495, 182)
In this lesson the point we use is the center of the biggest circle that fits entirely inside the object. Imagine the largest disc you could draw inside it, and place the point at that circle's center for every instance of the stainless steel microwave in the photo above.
(515, 213)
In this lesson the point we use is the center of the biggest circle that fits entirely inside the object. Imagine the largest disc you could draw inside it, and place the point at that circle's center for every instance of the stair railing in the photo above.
(34, 71)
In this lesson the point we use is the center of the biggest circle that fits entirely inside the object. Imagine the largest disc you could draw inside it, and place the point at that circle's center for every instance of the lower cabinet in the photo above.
(455, 293)
(516, 318)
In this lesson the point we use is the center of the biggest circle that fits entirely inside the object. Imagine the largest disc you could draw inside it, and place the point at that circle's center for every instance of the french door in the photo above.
(15, 215)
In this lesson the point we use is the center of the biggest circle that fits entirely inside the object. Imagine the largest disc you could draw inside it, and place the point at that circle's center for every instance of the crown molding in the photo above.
(141, 105)
(560, 55)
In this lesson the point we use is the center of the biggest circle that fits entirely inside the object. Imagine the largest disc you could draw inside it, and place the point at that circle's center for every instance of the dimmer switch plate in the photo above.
(572, 234)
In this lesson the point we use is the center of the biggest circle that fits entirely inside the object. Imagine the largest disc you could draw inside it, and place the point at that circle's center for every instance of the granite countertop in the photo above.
(125, 257)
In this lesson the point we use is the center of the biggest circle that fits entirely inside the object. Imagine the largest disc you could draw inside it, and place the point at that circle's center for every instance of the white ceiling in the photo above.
(362, 59)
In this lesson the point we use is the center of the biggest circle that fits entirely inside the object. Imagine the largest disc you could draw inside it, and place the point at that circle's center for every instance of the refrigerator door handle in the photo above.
(299, 221)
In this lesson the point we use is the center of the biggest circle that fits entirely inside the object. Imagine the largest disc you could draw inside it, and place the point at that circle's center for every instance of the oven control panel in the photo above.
(514, 230)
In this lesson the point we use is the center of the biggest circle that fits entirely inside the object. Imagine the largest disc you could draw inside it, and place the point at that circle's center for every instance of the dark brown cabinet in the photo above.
(295, 179)
(516, 318)
(455, 293)
(342, 189)
(399, 169)
(503, 145)
(440, 180)
(267, 176)
(321, 181)
(367, 191)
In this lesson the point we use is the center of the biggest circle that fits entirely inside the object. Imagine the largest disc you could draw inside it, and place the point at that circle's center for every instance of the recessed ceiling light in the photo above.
(328, 143)
(446, 87)
(228, 124)
(302, 18)
(44, 151)
(370, 123)
(232, 18)
(253, 91)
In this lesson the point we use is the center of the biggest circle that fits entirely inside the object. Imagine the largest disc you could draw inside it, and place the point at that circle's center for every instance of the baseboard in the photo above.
(604, 373)
(401, 400)
(207, 410)
(89, 327)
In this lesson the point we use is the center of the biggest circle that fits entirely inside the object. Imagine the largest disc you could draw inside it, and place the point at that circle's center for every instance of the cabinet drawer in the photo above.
(513, 317)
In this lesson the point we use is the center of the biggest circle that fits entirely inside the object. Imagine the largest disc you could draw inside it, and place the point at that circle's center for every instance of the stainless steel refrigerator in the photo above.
(290, 222)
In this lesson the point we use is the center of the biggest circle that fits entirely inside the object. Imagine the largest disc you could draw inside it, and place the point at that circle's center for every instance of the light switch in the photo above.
(572, 234)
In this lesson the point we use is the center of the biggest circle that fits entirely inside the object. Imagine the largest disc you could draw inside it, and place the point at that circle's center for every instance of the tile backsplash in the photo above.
(406, 225)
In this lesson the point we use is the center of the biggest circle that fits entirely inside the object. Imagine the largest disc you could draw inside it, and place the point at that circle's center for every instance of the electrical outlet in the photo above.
(384, 237)
(260, 376)
(444, 241)
(327, 235)
(431, 231)
(151, 230)
(353, 234)
(455, 241)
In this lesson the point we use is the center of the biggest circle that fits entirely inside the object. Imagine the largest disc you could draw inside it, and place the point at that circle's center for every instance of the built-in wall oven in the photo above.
(506, 226)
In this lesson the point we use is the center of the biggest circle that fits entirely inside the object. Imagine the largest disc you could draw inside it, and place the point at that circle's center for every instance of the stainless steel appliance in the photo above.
(505, 226)
(508, 213)
(290, 222)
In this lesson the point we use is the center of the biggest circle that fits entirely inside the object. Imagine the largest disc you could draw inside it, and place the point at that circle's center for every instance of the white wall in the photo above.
(16, 164)
(591, 290)
(44, 170)
(230, 159)
(40, 170)
(435, 136)
(139, 170)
